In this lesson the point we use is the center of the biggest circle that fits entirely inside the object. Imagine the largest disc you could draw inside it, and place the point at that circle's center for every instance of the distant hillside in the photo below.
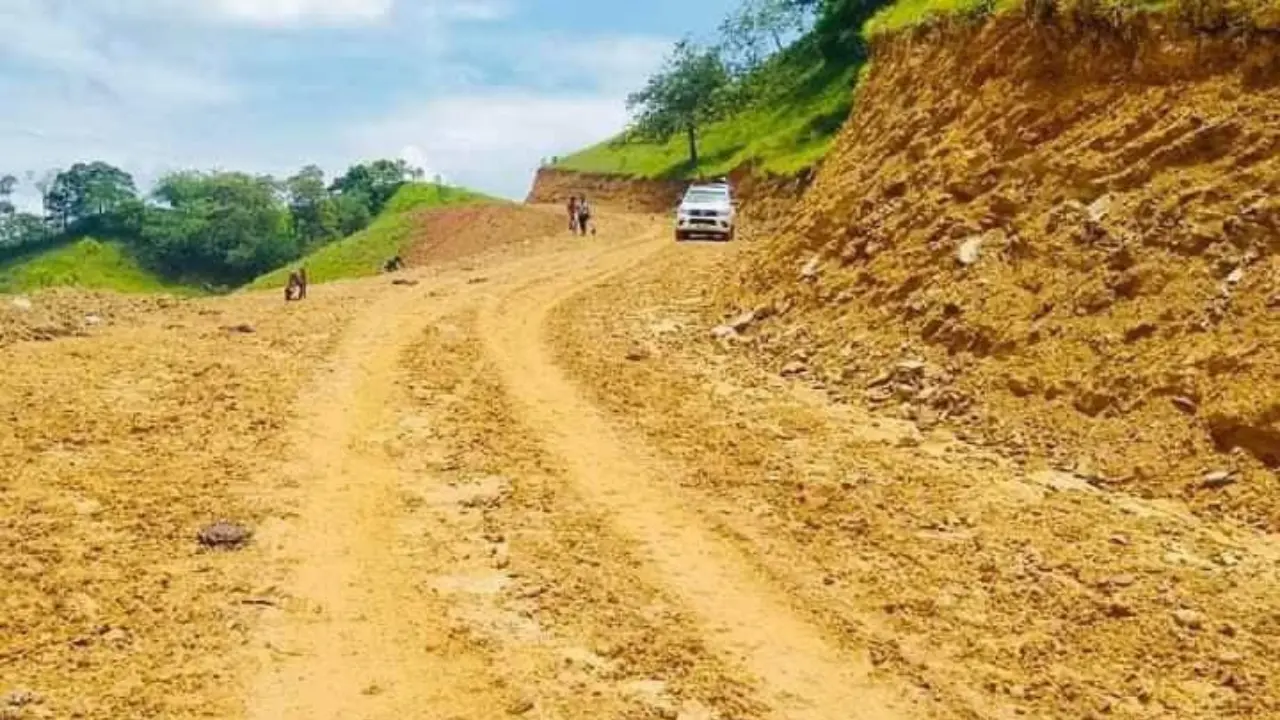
(786, 132)
(86, 263)
(363, 254)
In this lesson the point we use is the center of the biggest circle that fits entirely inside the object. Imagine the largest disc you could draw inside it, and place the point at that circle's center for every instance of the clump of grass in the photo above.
(89, 264)
(362, 254)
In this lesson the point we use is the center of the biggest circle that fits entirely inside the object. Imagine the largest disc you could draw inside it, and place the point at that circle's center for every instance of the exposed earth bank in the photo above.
(1061, 240)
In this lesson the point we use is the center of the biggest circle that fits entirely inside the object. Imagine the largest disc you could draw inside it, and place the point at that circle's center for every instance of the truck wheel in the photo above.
(681, 236)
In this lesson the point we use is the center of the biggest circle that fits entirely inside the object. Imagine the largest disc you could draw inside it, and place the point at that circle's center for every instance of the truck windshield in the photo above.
(706, 197)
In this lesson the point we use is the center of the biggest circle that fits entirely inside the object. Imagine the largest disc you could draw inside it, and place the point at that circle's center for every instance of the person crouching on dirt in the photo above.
(584, 215)
(297, 287)
(573, 214)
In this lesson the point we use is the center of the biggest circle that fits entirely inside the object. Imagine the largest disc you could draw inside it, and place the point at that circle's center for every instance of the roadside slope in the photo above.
(801, 99)
(1073, 230)
(362, 254)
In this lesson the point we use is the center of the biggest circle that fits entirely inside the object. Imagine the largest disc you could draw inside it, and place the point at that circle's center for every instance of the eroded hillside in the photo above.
(1060, 239)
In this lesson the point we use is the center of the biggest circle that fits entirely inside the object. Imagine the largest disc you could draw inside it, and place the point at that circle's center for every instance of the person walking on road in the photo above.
(584, 215)
(573, 214)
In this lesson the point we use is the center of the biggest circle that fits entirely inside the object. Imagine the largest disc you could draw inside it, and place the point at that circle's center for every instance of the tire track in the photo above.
(803, 675)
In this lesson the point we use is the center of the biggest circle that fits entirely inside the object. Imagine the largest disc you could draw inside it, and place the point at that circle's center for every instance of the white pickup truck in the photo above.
(706, 209)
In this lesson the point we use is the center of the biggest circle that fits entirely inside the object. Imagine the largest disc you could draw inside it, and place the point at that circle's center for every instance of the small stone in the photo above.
(477, 280)
(21, 303)
(1099, 209)
(224, 535)
(810, 270)
(743, 321)
(1236, 276)
(1121, 581)
(1230, 657)
(1189, 619)
(638, 354)
(1185, 404)
(724, 332)
(404, 282)
(1218, 479)
(92, 320)
(970, 251)
(243, 328)
(794, 368)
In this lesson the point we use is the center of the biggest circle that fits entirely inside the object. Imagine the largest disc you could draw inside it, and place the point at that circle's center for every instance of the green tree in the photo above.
(88, 191)
(352, 212)
(839, 24)
(230, 227)
(21, 230)
(315, 214)
(7, 185)
(761, 27)
(377, 182)
(686, 93)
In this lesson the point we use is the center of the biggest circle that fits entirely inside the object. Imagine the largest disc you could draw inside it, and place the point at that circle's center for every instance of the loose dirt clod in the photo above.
(520, 707)
(224, 535)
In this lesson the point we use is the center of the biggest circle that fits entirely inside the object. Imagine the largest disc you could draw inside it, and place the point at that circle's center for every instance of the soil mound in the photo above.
(448, 234)
(1062, 240)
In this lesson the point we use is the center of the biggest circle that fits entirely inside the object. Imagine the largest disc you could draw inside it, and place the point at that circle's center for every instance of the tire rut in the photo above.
(801, 673)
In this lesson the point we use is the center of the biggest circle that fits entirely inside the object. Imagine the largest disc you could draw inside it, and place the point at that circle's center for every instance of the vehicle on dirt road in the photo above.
(706, 210)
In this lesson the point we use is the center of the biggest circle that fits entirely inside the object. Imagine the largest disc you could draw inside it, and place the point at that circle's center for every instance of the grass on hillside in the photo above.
(362, 254)
(1209, 14)
(783, 135)
(86, 263)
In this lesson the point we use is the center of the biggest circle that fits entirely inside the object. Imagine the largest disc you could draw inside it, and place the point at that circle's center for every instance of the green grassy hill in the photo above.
(784, 133)
(362, 254)
(86, 263)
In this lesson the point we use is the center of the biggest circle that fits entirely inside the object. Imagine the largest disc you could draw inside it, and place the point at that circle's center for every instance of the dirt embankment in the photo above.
(620, 192)
(764, 198)
(1062, 240)
(447, 234)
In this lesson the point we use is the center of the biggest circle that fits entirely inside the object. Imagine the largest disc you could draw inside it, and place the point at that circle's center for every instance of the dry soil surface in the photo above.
(541, 487)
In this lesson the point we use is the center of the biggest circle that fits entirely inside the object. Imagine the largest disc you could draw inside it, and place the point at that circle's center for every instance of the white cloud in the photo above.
(71, 45)
(476, 10)
(493, 141)
(275, 13)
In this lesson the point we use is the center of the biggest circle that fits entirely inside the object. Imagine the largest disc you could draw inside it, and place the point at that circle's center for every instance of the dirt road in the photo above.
(536, 486)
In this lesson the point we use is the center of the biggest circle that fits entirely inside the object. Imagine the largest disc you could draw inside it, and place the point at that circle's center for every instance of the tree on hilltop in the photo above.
(686, 93)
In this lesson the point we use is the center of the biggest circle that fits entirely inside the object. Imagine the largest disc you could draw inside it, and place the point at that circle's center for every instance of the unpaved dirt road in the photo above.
(535, 486)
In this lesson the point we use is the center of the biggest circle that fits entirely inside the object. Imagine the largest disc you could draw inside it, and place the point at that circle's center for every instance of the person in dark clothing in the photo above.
(584, 215)
(573, 214)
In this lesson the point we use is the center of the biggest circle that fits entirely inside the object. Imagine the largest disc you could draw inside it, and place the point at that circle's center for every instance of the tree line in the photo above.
(701, 83)
(220, 228)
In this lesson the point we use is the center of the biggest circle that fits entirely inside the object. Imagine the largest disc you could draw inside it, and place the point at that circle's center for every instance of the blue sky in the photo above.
(476, 90)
